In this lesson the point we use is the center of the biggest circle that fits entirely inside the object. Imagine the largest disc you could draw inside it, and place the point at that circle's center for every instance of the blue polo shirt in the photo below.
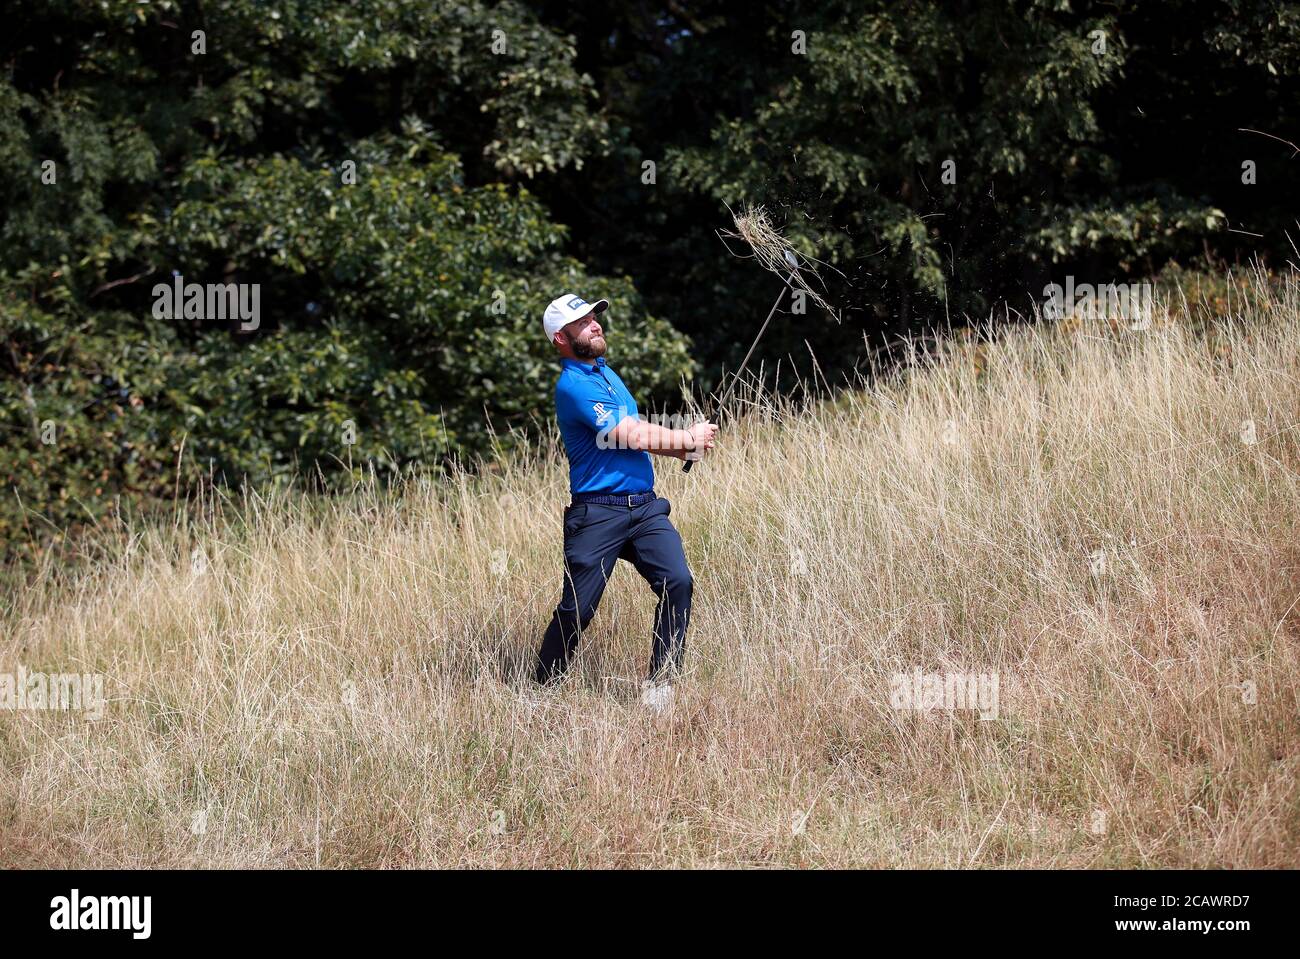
(590, 400)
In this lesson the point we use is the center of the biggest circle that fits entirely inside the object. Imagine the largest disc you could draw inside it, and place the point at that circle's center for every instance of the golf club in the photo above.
(794, 264)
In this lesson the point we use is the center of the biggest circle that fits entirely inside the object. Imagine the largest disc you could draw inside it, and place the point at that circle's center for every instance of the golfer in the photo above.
(615, 513)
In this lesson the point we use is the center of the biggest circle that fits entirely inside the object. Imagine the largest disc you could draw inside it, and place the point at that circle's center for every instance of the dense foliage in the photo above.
(409, 183)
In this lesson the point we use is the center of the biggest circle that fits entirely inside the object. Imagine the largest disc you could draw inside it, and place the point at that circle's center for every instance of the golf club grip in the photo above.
(686, 467)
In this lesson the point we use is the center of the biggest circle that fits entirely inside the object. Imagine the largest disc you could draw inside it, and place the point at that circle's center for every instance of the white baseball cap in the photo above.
(565, 310)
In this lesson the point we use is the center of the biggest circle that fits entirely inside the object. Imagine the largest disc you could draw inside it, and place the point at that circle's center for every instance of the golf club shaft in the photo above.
(686, 467)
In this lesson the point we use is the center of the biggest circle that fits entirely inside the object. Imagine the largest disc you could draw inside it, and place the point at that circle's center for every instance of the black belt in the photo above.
(612, 499)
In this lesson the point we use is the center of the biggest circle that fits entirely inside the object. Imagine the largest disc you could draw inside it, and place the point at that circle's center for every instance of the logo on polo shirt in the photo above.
(602, 414)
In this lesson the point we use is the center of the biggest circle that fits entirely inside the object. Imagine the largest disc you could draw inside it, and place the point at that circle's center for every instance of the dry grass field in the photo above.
(1104, 519)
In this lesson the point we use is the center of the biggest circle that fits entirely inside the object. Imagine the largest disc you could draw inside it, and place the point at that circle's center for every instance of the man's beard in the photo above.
(587, 350)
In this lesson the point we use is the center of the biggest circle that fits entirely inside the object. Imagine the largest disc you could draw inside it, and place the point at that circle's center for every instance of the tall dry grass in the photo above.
(1073, 510)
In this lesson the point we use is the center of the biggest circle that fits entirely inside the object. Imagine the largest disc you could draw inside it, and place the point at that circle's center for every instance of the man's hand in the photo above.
(702, 436)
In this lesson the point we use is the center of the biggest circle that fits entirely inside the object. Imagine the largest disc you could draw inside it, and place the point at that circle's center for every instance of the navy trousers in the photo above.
(595, 538)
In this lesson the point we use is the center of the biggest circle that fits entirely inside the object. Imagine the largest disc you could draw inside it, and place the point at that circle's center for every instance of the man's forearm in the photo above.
(660, 440)
(676, 454)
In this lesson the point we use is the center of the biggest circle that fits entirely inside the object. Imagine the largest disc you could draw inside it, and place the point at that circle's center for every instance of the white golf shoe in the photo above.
(657, 697)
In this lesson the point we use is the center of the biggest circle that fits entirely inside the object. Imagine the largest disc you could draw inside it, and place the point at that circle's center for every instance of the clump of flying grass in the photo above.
(754, 227)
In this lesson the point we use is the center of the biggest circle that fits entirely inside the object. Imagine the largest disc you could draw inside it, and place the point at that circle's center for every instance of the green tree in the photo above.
(302, 147)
